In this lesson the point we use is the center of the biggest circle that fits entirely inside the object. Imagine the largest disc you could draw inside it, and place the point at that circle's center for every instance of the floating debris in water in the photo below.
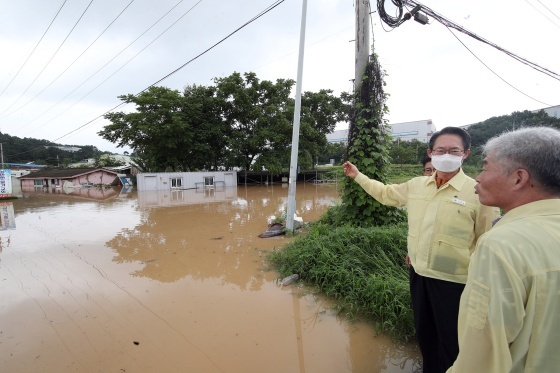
(288, 280)
(275, 229)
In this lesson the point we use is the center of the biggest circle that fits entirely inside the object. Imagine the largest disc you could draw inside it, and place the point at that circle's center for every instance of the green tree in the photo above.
(240, 122)
(320, 112)
(481, 132)
(211, 134)
(336, 151)
(257, 113)
(169, 130)
(402, 153)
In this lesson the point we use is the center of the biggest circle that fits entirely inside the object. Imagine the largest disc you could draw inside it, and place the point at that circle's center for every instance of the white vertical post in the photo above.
(295, 132)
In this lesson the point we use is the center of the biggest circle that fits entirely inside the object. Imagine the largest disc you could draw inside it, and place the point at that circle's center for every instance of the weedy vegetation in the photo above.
(362, 269)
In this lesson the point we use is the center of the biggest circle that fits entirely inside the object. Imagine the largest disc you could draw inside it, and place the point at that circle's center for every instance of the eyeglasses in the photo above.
(429, 169)
(452, 151)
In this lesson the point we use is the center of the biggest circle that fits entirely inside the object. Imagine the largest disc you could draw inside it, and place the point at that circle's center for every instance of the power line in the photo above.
(50, 60)
(548, 9)
(107, 63)
(505, 81)
(544, 15)
(72, 63)
(444, 21)
(415, 12)
(33, 51)
(116, 71)
(262, 13)
(268, 9)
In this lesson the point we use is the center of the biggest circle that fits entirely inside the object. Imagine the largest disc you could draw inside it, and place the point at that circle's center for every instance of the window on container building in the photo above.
(176, 182)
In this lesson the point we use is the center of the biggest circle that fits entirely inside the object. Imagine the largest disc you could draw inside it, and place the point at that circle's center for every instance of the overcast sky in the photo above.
(53, 87)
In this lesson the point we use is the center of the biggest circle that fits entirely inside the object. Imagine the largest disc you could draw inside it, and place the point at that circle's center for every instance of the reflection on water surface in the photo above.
(169, 281)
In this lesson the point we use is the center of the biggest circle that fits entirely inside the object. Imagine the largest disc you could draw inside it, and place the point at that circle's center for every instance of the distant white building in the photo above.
(338, 136)
(553, 111)
(90, 162)
(72, 149)
(420, 130)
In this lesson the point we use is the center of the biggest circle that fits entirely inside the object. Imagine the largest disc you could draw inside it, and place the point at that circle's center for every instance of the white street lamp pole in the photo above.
(295, 132)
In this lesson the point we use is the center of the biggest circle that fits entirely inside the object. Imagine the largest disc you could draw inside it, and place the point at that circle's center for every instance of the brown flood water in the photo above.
(175, 281)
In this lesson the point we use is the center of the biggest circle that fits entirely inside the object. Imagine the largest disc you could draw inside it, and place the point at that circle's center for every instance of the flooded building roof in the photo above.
(63, 173)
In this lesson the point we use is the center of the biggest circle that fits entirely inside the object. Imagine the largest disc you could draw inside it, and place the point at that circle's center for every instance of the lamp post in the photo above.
(295, 131)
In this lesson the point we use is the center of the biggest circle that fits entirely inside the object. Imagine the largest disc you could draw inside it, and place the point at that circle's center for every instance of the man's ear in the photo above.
(466, 154)
(521, 179)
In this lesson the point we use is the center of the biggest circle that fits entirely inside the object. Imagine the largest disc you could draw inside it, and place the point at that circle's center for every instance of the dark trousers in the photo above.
(435, 304)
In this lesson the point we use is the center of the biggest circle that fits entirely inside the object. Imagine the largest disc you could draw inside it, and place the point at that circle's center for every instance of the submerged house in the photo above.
(186, 180)
(76, 177)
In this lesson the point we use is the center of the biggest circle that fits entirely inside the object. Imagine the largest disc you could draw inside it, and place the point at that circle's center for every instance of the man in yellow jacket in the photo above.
(509, 317)
(445, 218)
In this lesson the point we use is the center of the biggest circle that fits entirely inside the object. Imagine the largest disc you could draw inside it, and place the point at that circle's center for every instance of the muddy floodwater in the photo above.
(122, 281)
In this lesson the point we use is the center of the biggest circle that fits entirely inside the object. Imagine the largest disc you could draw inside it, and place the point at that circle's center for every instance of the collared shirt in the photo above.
(443, 224)
(509, 317)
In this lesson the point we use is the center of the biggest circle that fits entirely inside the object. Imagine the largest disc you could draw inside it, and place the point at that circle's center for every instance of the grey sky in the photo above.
(430, 74)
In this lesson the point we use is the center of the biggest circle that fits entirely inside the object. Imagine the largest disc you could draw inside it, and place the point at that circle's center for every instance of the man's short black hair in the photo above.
(426, 160)
(452, 131)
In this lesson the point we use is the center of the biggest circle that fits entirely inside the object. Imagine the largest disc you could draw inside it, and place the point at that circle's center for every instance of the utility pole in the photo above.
(295, 131)
(362, 49)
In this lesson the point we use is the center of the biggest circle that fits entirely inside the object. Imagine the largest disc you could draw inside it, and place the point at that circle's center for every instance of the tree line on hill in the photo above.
(413, 152)
(44, 152)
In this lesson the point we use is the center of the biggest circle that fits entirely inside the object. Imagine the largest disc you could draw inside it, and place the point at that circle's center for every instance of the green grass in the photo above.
(361, 268)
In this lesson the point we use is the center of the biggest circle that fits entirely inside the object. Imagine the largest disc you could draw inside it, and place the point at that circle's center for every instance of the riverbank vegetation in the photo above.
(362, 269)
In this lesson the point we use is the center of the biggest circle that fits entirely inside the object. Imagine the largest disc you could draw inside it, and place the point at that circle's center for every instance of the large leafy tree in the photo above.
(256, 112)
(169, 130)
(320, 112)
(240, 122)
(210, 132)
(407, 152)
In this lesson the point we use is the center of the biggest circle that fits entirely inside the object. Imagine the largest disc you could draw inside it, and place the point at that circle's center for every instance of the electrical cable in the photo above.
(268, 9)
(259, 15)
(371, 24)
(397, 21)
(102, 67)
(505, 81)
(544, 15)
(459, 28)
(116, 71)
(71, 64)
(548, 9)
(50, 60)
(33, 51)
(391, 21)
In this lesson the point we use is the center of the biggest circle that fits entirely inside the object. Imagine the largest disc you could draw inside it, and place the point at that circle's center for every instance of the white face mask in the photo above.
(447, 162)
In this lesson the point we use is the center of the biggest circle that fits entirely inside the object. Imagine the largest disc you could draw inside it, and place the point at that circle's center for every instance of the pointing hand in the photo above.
(350, 170)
